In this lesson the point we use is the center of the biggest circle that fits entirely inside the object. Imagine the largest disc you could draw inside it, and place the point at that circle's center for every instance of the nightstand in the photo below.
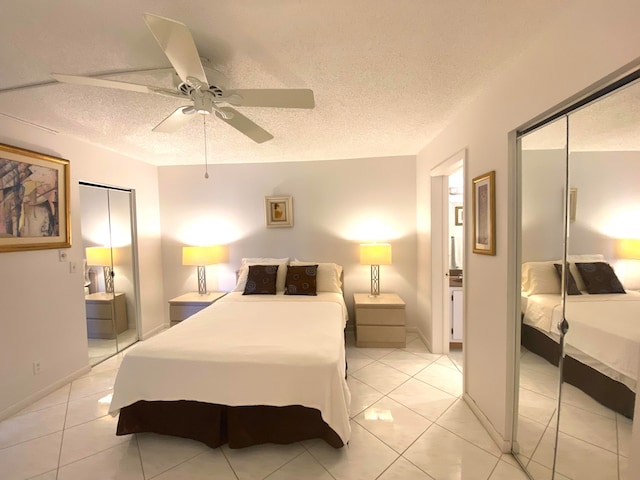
(106, 314)
(184, 306)
(380, 321)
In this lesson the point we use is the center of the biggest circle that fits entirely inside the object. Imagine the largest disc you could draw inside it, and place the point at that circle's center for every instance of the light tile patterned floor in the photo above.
(408, 422)
(593, 441)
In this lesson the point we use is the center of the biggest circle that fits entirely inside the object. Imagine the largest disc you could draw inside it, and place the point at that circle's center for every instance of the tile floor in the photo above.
(593, 442)
(408, 422)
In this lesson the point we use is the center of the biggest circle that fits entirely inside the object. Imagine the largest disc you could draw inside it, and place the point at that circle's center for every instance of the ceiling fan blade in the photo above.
(273, 97)
(244, 125)
(177, 43)
(100, 82)
(176, 120)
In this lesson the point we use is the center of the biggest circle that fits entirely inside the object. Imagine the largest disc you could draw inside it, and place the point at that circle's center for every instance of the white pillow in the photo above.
(540, 277)
(328, 275)
(243, 273)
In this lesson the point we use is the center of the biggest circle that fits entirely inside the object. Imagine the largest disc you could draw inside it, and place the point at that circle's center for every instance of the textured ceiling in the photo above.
(611, 123)
(386, 74)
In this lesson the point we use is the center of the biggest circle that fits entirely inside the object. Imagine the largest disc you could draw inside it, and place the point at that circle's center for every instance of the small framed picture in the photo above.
(484, 214)
(279, 211)
(458, 215)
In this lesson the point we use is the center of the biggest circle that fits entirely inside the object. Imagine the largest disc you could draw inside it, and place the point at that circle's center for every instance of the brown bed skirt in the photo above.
(215, 425)
(610, 393)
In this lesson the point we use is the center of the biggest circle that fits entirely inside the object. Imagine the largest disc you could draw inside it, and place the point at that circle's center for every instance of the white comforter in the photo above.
(604, 330)
(247, 350)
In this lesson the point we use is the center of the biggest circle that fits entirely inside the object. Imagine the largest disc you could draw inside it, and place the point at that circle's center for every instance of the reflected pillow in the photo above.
(599, 278)
(539, 278)
(301, 280)
(572, 287)
(261, 280)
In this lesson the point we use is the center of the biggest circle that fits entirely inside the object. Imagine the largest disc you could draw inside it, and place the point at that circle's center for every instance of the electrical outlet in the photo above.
(36, 368)
(62, 255)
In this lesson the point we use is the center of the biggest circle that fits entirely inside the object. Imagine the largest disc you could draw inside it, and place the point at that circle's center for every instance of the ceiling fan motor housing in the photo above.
(216, 80)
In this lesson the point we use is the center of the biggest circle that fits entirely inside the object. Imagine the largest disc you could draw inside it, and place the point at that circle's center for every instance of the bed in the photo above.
(603, 342)
(249, 369)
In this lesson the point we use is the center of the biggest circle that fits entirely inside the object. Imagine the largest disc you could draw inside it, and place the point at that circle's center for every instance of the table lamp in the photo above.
(375, 254)
(628, 248)
(200, 257)
(101, 256)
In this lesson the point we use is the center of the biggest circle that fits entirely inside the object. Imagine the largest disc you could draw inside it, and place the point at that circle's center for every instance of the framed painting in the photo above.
(459, 216)
(484, 214)
(34, 201)
(279, 211)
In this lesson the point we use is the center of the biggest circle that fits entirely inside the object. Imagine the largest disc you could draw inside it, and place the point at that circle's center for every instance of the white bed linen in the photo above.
(247, 350)
(604, 330)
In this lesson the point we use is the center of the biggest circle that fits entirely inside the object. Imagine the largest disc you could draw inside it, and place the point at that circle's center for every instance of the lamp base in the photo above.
(202, 280)
(375, 281)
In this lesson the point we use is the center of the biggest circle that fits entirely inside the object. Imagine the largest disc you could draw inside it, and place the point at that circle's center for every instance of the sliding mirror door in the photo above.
(580, 253)
(543, 155)
(111, 292)
(600, 368)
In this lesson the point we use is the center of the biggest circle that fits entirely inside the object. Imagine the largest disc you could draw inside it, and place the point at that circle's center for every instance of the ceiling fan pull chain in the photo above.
(204, 123)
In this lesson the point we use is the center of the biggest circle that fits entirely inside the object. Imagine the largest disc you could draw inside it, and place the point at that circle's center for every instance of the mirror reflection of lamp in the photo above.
(201, 257)
(375, 254)
(628, 267)
(101, 256)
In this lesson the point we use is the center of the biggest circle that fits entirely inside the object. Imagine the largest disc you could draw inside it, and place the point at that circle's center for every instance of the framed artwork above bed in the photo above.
(279, 211)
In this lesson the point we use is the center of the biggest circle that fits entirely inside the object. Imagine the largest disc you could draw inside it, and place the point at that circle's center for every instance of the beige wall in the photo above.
(42, 314)
(337, 205)
(590, 42)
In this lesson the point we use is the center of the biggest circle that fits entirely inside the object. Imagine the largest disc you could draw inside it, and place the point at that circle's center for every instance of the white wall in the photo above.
(42, 315)
(588, 42)
(336, 206)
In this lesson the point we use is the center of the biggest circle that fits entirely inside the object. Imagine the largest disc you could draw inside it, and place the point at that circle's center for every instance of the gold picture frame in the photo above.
(459, 216)
(279, 211)
(484, 214)
(34, 200)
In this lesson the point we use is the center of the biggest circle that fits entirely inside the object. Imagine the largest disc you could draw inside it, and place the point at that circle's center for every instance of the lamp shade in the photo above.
(628, 248)
(204, 255)
(375, 254)
(98, 256)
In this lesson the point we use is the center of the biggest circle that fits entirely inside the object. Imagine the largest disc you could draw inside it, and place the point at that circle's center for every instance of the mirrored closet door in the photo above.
(580, 263)
(111, 285)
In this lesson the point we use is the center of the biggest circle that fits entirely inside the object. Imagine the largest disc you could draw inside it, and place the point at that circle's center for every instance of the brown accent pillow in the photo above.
(572, 287)
(261, 280)
(301, 280)
(599, 277)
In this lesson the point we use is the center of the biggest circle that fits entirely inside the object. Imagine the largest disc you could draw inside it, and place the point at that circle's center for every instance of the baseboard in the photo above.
(503, 445)
(16, 407)
(417, 331)
(155, 331)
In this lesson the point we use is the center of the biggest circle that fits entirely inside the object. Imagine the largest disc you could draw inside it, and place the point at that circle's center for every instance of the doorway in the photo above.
(447, 255)
(107, 216)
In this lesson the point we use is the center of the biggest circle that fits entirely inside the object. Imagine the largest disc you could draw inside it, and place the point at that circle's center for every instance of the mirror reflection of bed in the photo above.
(602, 344)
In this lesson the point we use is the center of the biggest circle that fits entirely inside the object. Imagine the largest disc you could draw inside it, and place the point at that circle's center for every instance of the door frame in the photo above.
(440, 304)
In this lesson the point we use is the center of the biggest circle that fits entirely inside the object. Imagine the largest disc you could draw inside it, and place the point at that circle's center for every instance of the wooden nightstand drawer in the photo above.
(380, 321)
(178, 313)
(99, 310)
(182, 307)
(383, 316)
(381, 336)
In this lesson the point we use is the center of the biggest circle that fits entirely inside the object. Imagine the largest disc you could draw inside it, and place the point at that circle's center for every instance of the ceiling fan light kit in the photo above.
(203, 86)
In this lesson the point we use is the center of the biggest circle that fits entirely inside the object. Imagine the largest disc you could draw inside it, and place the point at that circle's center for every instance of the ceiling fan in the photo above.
(203, 89)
